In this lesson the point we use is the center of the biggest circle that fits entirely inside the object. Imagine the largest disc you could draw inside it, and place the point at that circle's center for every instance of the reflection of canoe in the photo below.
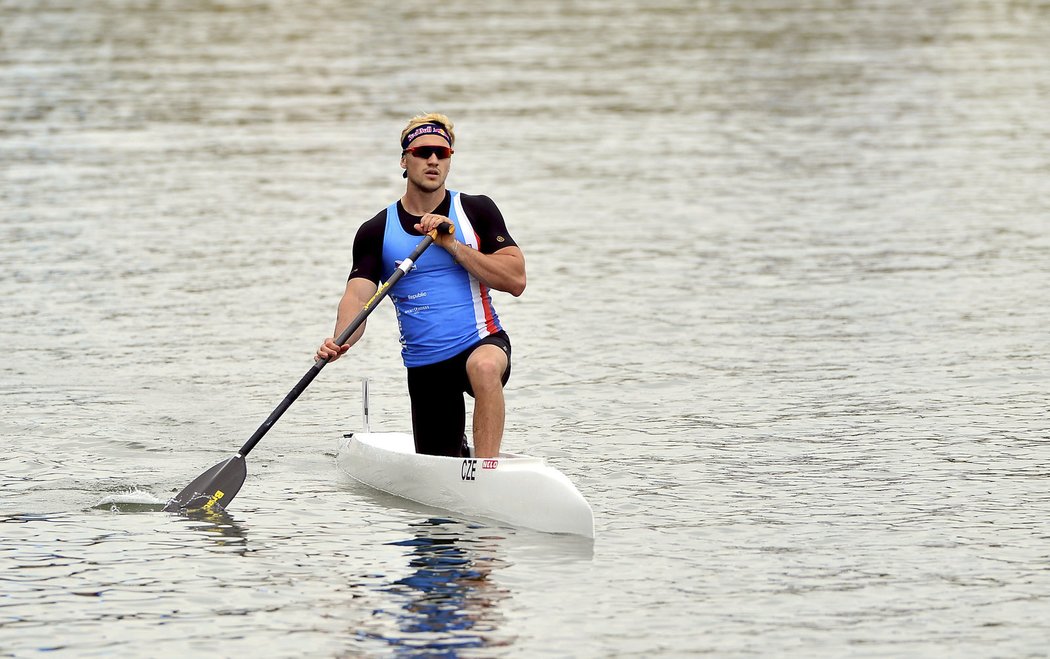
(514, 489)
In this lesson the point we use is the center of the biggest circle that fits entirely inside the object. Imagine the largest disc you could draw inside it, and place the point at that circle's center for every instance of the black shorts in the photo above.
(438, 408)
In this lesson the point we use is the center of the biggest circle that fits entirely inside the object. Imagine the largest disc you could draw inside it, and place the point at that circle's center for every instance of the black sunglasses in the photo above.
(425, 152)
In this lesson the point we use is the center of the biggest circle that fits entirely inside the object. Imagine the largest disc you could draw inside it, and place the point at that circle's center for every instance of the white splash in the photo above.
(131, 500)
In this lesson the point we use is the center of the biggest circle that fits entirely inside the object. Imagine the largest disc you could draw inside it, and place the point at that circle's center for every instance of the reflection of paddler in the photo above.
(449, 591)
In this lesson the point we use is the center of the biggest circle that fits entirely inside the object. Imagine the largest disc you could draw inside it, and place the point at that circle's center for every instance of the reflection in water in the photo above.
(840, 399)
(214, 521)
(217, 522)
(449, 603)
(25, 518)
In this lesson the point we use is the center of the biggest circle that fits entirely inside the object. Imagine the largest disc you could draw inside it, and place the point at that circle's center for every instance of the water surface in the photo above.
(786, 325)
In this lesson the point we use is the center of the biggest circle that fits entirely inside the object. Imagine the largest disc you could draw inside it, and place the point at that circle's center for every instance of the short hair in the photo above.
(430, 118)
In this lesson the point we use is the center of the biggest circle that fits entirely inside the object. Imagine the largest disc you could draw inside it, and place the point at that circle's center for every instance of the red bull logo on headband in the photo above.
(425, 129)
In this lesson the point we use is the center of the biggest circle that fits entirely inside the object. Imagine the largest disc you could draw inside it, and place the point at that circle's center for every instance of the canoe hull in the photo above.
(513, 489)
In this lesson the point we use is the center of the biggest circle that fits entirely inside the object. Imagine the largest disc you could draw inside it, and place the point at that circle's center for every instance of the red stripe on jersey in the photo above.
(486, 304)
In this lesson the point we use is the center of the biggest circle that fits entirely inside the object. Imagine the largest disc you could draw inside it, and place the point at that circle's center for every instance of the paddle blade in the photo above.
(215, 487)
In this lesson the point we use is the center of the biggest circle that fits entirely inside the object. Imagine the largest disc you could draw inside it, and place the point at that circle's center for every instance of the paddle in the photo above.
(221, 483)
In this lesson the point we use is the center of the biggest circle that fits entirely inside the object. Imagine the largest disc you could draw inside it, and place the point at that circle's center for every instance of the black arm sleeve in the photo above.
(368, 250)
(488, 223)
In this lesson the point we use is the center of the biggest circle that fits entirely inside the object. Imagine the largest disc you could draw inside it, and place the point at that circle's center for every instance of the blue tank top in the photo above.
(441, 308)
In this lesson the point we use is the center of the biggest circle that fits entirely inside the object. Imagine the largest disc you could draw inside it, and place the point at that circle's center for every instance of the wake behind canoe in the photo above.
(514, 489)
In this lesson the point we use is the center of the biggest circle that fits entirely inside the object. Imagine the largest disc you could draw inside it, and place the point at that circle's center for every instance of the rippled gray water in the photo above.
(786, 326)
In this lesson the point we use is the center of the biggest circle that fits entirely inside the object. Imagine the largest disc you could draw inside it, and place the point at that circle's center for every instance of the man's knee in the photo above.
(487, 366)
(487, 370)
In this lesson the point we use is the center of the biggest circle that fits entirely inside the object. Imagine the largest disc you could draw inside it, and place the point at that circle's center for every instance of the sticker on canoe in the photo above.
(466, 472)
(490, 464)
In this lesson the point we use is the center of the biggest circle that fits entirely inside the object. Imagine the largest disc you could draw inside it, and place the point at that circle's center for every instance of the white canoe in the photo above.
(513, 489)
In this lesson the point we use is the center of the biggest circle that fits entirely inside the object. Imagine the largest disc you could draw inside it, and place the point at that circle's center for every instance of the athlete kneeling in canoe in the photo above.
(452, 340)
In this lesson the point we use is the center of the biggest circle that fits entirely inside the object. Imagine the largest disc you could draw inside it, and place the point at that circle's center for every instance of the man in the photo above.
(451, 337)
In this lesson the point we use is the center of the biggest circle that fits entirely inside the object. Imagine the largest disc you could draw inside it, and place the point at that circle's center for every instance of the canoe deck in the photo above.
(513, 489)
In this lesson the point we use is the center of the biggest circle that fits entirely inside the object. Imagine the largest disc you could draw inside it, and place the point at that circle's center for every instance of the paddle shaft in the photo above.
(305, 381)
